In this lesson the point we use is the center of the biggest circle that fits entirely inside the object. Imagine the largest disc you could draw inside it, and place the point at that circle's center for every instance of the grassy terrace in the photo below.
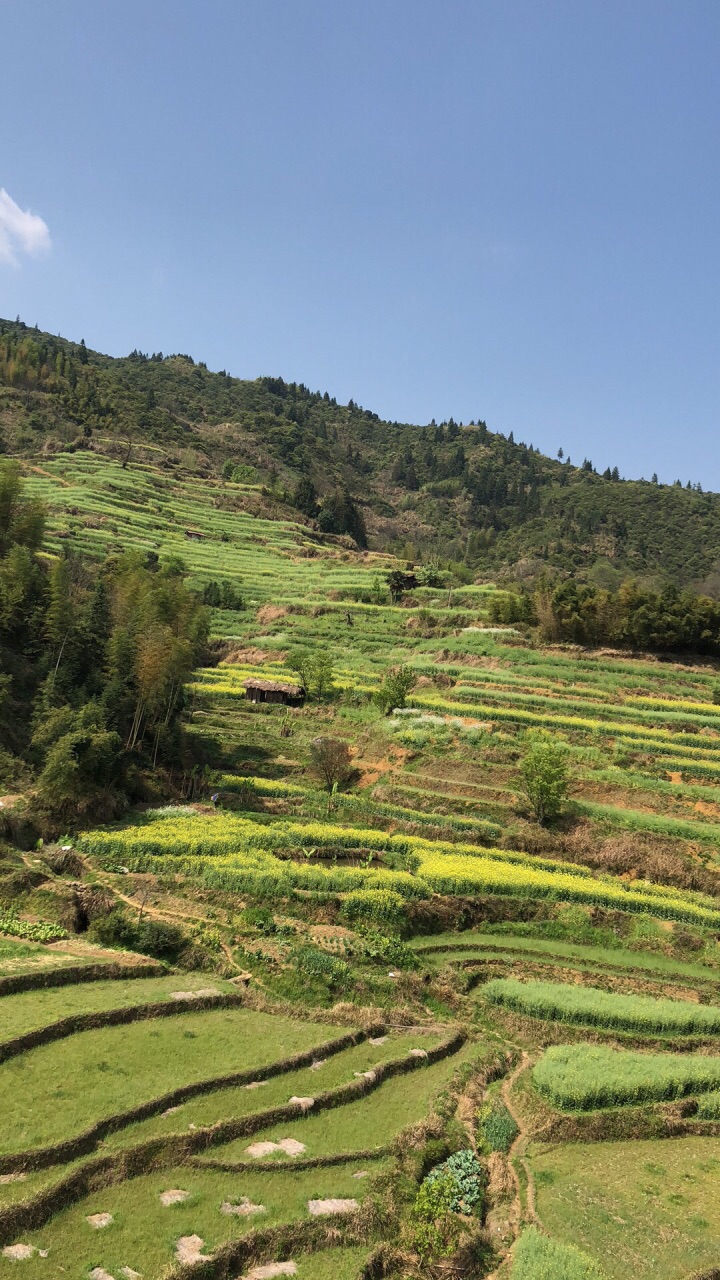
(27, 1011)
(102, 509)
(441, 948)
(642, 1208)
(144, 1233)
(58, 1090)
(370, 1122)
(327, 1073)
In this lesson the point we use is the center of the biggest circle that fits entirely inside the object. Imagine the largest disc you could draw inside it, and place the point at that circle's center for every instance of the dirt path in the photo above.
(519, 1146)
(515, 1156)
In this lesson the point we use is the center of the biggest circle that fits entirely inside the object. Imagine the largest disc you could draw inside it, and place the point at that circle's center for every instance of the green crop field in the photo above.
(56, 1091)
(590, 1006)
(27, 1011)
(581, 1077)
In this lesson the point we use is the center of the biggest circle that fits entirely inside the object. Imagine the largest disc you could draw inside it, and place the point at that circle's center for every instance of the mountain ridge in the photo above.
(460, 493)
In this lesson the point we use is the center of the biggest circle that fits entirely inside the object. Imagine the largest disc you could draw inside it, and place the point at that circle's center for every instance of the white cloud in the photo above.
(21, 232)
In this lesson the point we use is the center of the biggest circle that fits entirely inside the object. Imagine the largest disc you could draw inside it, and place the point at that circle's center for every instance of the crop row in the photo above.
(237, 854)
(184, 833)
(450, 874)
(559, 1002)
(637, 820)
(33, 931)
(583, 1077)
(606, 728)
(261, 786)
(584, 706)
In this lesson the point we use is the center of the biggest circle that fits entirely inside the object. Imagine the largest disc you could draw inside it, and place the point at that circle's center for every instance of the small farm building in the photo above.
(293, 695)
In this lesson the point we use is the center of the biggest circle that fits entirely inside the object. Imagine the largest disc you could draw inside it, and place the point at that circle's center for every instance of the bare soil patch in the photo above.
(270, 612)
(189, 1249)
(244, 1208)
(173, 1196)
(99, 1220)
(201, 993)
(270, 1269)
(318, 1208)
(289, 1147)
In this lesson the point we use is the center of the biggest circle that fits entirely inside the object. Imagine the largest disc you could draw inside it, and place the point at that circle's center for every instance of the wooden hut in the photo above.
(291, 695)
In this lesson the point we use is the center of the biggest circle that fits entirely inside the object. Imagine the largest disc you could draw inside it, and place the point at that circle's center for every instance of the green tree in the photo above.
(83, 770)
(304, 497)
(544, 774)
(340, 514)
(394, 689)
(314, 667)
(399, 583)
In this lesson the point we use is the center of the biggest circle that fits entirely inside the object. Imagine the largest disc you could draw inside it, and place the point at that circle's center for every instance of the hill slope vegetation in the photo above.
(460, 492)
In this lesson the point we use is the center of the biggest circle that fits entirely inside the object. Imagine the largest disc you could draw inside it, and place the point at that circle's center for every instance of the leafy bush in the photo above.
(709, 1106)
(544, 775)
(149, 937)
(467, 1178)
(395, 687)
(332, 760)
(222, 595)
(436, 1229)
(396, 860)
(536, 1257)
(497, 1127)
(314, 667)
(260, 918)
(312, 962)
(377, 946)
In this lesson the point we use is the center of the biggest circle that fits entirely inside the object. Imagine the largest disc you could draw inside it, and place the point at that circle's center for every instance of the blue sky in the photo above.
(498, 209)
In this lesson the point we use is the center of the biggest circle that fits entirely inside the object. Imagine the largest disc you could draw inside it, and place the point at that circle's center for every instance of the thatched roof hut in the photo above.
(292, 695)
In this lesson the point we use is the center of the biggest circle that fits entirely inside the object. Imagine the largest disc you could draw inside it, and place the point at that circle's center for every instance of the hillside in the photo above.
(415, 973)
(460, 493)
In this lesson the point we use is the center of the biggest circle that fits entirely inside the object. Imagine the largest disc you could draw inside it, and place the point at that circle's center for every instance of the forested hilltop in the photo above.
(461, 493)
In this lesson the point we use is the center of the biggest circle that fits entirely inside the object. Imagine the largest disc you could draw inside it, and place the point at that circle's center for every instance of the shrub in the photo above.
(260, 918)
(396, 685)
(314, 668)
(497, 1127)
(380, 905)
(396, 860)
(149, 937)
(536, 1257)
(222, 595)
(377, 946)
(709, 1106)
(544, 775)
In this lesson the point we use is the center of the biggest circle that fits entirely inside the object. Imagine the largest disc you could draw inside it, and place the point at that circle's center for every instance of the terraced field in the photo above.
(391, 970)
(234, 1161)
